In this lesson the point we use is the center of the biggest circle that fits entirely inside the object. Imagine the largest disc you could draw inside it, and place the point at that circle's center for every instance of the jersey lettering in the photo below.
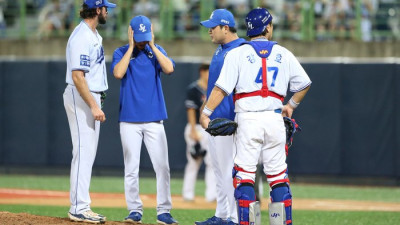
(251, 58)
(275, 74)
(100, 55)
(278, 58)
(85, 60)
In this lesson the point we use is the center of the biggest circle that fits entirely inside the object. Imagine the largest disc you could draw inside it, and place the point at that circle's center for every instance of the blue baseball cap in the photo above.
(257, 20)
(141, 27)
(219, 17)
(99, 3)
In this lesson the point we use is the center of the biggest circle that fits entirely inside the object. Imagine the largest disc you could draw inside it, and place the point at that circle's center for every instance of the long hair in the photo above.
(87, 13)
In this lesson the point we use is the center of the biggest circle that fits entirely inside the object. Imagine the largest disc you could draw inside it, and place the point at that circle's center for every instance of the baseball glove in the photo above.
(221, 127)
(196, 151)
(291, 128)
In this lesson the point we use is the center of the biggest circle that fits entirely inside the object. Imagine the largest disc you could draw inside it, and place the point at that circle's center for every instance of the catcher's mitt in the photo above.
(291, 128)
(221, 127)
(196, 151)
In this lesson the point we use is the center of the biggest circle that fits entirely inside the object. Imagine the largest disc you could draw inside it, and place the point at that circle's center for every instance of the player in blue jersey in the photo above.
(222, 31)
(142, 110)
(86, 77)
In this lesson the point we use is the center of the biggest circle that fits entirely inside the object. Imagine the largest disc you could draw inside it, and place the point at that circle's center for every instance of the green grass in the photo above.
(148, 186)
(186, 217)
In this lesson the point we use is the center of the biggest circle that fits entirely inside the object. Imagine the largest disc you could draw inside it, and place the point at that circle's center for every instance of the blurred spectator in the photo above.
(193, 16)
(53, 18)
(3, 25)
(150, 9)
(180, 11)
(146, 8)
(367, 12)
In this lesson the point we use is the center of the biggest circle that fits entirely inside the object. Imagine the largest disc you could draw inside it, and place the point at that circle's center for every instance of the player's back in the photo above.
(282, 69)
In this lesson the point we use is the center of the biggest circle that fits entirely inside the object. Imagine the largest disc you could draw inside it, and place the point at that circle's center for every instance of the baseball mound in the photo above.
(25, 218)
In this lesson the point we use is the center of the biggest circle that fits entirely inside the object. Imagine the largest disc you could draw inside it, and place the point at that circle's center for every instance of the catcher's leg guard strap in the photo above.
(281, 193)
(244, 195)
(240, 175)
(275, 179)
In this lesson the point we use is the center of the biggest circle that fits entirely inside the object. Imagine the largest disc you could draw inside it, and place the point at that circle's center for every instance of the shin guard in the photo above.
(281, 198)
(245, 196)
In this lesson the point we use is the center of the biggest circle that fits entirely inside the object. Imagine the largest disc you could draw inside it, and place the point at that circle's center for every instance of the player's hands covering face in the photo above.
(130, 37)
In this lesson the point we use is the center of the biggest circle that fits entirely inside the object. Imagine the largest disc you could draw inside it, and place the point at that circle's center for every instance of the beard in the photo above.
(102, 19)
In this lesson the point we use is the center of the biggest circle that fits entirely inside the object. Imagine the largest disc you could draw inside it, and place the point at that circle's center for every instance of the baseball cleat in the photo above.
(87, 216)
(212, 221)
(134, 218)
(166, 219)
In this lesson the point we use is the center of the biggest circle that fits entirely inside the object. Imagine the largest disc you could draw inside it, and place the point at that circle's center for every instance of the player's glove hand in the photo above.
(291, 128)
(221, 127)
(196, 151)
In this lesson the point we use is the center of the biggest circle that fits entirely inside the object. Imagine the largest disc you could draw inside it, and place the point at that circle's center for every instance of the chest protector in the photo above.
(263, 49)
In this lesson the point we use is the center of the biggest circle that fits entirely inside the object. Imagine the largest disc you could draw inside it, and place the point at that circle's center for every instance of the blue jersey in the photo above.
(141, 95)
(226, 108)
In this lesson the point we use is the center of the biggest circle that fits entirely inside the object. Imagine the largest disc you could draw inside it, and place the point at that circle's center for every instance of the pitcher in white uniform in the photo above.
(259, 73)
(86, 80)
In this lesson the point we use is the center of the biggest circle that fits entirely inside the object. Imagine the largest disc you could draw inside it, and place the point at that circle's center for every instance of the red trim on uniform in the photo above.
(279, 181)
(287, 202)
(275, 175)
(264, 92)
(237, 168)
(288, 221)
(245, 203)
(244, 223)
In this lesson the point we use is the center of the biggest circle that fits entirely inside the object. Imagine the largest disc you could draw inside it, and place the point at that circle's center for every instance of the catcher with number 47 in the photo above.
(259, 73)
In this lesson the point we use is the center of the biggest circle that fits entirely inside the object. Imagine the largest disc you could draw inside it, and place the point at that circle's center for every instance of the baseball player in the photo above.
(87, 79)
(197, 137)
(142, 110)
(222, 31)
(259, 73)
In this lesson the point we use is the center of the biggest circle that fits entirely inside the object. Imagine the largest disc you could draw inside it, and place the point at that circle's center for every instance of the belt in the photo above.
(278, 111)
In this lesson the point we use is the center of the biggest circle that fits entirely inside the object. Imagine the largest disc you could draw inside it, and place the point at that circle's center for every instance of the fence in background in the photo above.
(307, 20)
(349, 118)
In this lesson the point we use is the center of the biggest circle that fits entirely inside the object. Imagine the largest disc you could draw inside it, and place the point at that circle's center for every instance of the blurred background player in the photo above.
(142, 110)
(221, 28)
(86, 78)
(259, 87)
(197, 140)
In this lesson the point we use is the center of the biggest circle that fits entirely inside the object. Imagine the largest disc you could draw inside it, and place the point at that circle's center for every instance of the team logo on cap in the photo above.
(142, 27)
(99, 2)
(249, 25)
(224, 21)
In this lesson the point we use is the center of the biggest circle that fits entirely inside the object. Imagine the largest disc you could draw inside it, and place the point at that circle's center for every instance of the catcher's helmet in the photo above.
(257, 20)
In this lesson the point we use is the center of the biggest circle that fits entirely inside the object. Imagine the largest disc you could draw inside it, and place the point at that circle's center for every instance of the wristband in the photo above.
(293, 103)
(207, 111)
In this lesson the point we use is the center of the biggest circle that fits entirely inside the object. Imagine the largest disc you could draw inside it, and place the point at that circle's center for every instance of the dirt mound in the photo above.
(7, 218)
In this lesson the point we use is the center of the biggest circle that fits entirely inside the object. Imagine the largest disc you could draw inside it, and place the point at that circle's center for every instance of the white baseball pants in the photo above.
(221, 151)
(260, 132)
(85, 136)
(153, 135)
(193, 165)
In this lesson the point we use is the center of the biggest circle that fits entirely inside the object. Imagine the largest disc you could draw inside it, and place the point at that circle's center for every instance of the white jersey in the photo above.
(242, 73)
(85, 52)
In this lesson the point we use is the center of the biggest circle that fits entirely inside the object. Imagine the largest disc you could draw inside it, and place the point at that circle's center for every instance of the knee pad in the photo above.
(281, 194)
(240, 175)
(244, 195)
